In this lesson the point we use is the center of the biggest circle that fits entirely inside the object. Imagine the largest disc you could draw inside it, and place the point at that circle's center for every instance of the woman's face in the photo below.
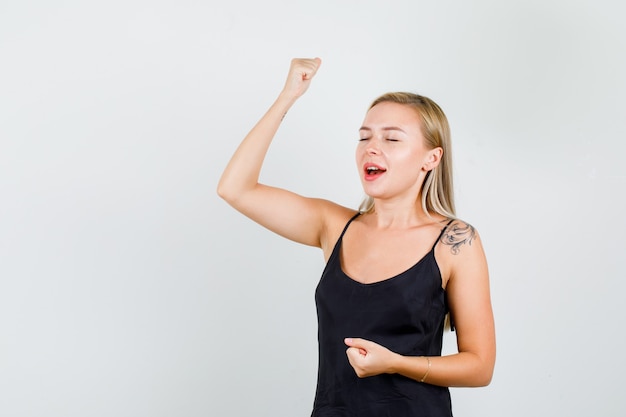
(391, 155)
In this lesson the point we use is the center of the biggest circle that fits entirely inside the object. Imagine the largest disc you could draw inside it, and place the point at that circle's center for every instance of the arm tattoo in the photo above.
(457, 235)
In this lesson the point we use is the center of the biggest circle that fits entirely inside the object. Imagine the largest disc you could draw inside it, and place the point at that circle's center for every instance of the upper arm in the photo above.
(469, 293)
(301, 219)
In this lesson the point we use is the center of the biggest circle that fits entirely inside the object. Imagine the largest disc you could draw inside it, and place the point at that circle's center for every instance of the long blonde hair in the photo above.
(437, 190)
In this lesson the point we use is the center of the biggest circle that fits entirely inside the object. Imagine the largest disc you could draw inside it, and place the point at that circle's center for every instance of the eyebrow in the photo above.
(387, 128)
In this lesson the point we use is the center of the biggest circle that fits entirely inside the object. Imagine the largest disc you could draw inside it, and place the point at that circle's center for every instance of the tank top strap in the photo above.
(343, 232)
(441, 234)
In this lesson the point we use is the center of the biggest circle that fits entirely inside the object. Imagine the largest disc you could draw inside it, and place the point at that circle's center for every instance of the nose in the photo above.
(372, 147)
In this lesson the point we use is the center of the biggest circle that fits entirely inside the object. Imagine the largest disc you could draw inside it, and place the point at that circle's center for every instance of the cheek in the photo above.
(410, 164)
(407, 157)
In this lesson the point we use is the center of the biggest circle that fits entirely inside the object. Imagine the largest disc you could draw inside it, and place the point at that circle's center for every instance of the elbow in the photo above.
(476, 380)
(236, 193)
(484, 379)
(222, 192)
(484, 375)
(226, 193)
(478, 372)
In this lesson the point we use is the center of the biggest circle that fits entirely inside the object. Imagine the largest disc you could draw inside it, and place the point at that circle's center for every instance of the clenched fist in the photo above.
(301, 72)
(368, 358)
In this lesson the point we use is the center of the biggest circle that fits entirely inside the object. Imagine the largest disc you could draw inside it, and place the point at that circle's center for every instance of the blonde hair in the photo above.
(437, 190)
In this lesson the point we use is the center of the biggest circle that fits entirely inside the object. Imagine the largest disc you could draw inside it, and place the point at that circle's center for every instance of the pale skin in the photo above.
(381, 244)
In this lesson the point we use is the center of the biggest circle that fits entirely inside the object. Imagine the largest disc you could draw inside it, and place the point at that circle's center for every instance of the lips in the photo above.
(373, 171)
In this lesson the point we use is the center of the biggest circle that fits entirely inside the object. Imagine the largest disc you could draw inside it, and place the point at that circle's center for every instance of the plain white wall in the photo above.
(127, 288)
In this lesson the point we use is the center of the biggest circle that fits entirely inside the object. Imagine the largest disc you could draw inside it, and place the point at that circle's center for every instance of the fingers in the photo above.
(358, 355)
(368, 358)
(301, 72)
(358, 343)
(314, 66)
(355, 358)
(307, 68)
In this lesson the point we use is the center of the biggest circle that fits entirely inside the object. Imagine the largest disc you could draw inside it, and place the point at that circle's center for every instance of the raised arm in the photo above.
(288, 214)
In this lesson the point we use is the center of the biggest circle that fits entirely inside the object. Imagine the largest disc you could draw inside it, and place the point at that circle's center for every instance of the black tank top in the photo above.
(405, 314)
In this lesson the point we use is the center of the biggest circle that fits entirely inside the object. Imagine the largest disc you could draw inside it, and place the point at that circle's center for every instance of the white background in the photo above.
(128, 288)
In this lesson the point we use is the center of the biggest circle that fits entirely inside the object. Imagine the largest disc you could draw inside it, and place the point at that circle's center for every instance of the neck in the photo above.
(395, 215)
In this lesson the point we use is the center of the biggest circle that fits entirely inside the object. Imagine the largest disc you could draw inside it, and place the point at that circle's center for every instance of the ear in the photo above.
(433, 158)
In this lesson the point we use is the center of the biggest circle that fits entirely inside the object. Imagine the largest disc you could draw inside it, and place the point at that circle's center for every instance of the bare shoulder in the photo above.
(460, 251)
(460, 236)
(335, 219)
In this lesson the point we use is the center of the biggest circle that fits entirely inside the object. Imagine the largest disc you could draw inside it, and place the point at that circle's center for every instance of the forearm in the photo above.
(463, 369)
(243, 170)
(241, 176)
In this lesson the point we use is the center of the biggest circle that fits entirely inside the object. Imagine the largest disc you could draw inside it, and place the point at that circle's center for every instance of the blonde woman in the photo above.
(395, 268)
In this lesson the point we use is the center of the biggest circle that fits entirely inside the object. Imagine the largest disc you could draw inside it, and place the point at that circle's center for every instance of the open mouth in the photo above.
(373, 171)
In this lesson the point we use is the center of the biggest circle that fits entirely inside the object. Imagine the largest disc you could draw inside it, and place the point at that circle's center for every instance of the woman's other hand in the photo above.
(368, 358)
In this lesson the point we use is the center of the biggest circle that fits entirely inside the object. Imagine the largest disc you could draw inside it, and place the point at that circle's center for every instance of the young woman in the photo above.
(395, 268)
